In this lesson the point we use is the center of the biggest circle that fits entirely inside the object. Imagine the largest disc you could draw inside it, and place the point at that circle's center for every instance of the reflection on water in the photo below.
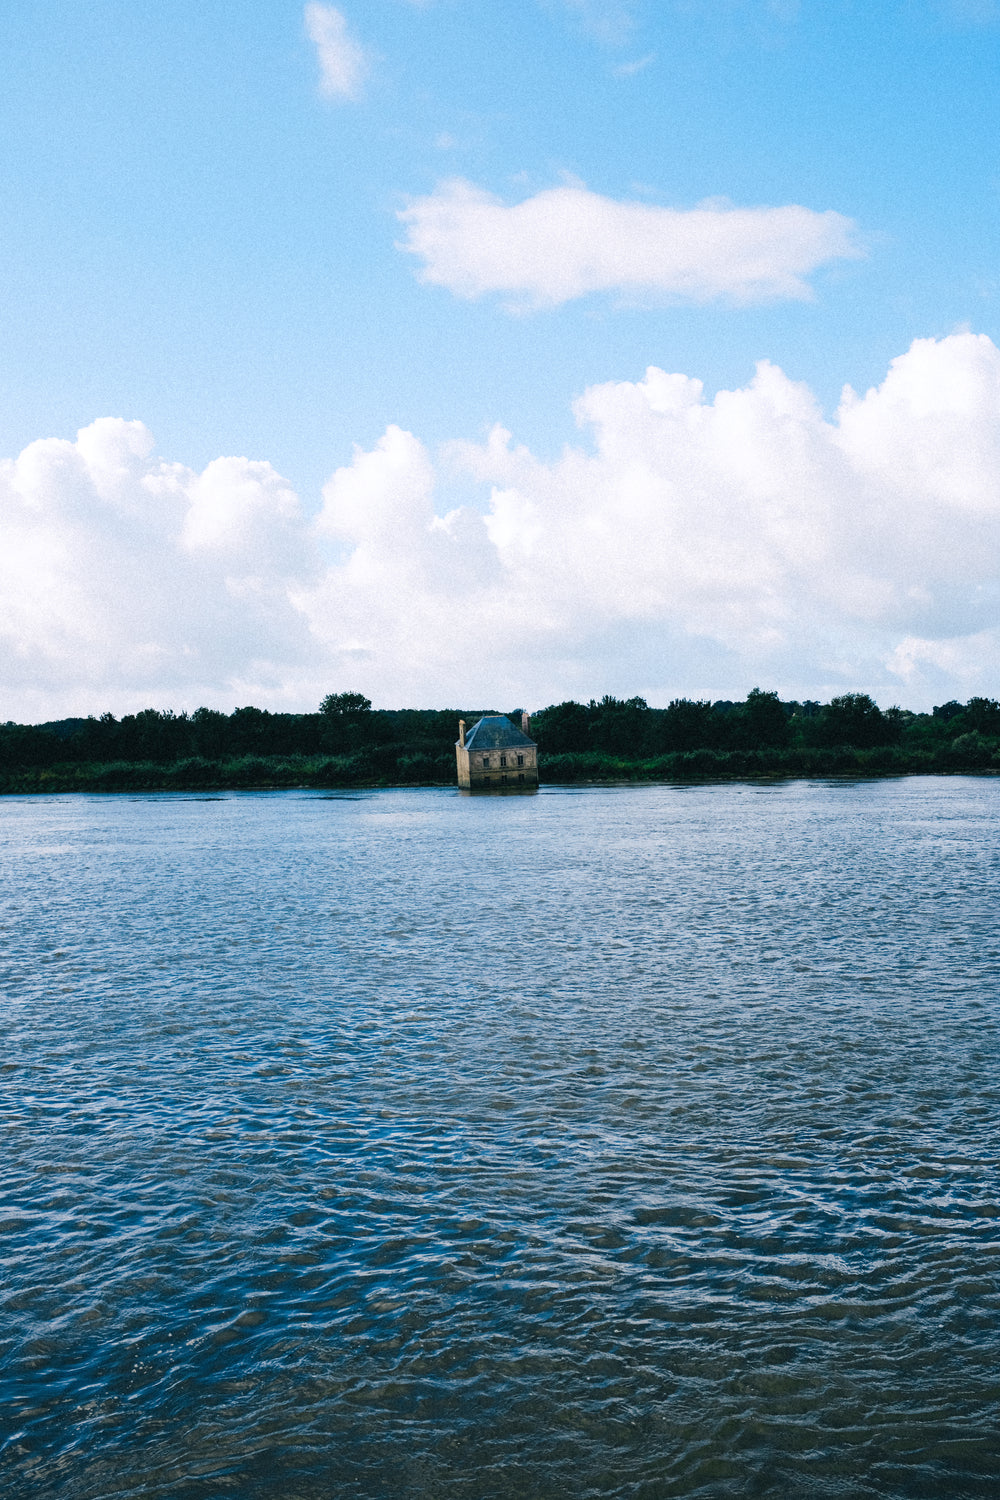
(622, 1142)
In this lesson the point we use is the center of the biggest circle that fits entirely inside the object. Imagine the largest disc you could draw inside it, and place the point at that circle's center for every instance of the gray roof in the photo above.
(495, 732)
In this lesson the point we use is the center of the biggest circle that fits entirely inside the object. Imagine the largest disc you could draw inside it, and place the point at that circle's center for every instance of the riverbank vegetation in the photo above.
(348, 743)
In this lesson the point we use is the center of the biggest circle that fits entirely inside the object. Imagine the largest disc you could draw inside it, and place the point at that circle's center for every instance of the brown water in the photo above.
(627, 1142)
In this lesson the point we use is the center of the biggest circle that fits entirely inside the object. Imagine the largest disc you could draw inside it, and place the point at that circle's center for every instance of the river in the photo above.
(608, 1142)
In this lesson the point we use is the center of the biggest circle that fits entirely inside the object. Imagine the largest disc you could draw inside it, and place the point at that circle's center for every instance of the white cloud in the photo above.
(685, 545)
(343, 63)
(124, 577)
(630, 69)
(567, 242)
(610, 22)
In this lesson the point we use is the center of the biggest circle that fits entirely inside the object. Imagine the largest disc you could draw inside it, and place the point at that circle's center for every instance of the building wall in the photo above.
(503, 768)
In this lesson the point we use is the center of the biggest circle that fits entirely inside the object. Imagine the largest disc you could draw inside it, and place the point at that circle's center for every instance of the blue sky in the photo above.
(198, 236)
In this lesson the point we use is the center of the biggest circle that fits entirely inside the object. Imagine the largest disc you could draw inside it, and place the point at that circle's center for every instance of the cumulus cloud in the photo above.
(567, 242)
(683, 545)
(750, 530)
(125, 577)
(343, 63)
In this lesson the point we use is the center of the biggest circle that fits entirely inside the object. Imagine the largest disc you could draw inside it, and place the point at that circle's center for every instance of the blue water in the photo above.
(611, 1142)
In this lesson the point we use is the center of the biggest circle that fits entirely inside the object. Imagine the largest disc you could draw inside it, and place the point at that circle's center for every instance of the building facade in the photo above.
(495, 754)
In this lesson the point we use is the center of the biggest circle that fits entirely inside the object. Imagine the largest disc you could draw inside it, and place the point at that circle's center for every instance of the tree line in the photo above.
(764, 735)
(347, 742)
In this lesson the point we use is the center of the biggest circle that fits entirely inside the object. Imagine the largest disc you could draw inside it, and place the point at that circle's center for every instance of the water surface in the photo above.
(608, 1142)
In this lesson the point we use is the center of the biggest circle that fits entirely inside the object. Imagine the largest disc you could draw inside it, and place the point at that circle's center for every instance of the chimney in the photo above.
(461, 732)
(525, 724)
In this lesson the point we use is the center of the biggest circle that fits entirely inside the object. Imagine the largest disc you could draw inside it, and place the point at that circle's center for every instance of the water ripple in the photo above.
(637, 1142)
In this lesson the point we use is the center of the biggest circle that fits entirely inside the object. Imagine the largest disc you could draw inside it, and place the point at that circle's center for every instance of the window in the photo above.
(504, 780)
(520, 761)
(503, 760)
(486, 761)
(520, 775)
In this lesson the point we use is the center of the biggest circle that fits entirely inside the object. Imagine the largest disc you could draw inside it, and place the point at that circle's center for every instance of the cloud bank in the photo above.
(343, 64)
(683, 546)
(567, 242)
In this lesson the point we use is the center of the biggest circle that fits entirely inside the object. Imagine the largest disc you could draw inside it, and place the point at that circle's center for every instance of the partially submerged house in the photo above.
(496, 754)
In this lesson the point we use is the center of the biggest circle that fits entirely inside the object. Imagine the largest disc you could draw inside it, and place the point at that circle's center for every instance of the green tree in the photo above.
(685, 725)
(347, 722)
(983, 715)
(855, 719)
(562, 728)
(345, 705)
(764, 723)
(617, 725)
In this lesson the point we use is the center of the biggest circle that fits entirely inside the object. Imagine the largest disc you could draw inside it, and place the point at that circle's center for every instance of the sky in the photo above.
(463, 353)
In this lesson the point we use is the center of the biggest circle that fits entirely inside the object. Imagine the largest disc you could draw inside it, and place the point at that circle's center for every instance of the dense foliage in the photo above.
(349, 743)
(764, 736)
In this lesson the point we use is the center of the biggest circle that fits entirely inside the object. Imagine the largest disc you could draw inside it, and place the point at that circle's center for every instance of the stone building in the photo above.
(496, 754)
